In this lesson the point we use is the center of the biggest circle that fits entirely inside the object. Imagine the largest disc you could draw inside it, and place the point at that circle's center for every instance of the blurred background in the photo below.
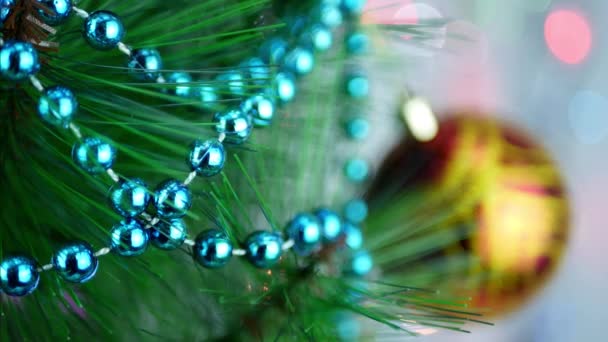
(539, 64)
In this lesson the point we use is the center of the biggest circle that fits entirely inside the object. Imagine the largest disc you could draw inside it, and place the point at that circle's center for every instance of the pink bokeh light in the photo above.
(568, 36)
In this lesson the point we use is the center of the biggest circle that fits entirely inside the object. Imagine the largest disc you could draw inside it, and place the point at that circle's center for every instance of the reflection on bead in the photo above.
(357, 43)
(361, 263)
(212, 248)
(172, 199)
(356, 170)
(103, 30)
(18, 60)
(57, 106)
(207, 158)
(55, 12)
(235, 124)
(354, 236)
(273, 51)
(255, 70)
(75, 262)
(208, 96)
(355, 211)
(305, 231)
(353, 7)
(129, 197)
(331, 225)
(6, 7)
(168, 235)
(175, 80)
(318, 38)
(18, 276)
(232, 84)
(264, 249)
(357, 128)
(260, 108)
(284, 87)
(300, 61)
(145, 64)
(128, 238)
(357, 85)
(93, 155)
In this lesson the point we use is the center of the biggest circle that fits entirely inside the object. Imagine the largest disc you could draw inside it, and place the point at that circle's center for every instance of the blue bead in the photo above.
(354, 236)
(212, 248)
(180, 83)
(260, 108)
(357, 128)
(331, 224)
(18, 60)
(18, 276)
(57, 106)
(129, 197)
(357, 170)
(128, 238)
(93, 155)
(357, 86)
(172, 199)
(231, 84)
(361, 263)
(273, 51)
(208, 95)
(329, 15)
(300, 61)
(355, 211)
(6, 7)
(357, 43)
(305, 231)
(256, 71)
(168, 235)
(207, 158)
(235, 124)
(353, 7)
(55, 12)
(264, 249)
(103, 30)
(75, 262)
(318, 38)
(284, 87)
(145, 64)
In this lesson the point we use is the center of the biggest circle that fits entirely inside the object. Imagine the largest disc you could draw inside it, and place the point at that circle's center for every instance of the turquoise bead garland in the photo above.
(130, 237)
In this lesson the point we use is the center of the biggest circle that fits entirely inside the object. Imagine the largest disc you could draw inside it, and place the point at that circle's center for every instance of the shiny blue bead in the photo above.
(128, 238)
(256, 71)
(168, 235)
(300, 61)
(235, 124)
(6, 7)
(260, 108)
(357, 43)
(353, 7)
(180, 83)
(75, 262)
(284, 87)
(361, 263)
(18, 60)
(305, 231)
(318, 38)
(331, 224)
(172, 199)
(357, 86)
(18, 276)
(231, 84)
(129, 197)
(103, 30)
(264, 249)
(208, 95)
(357, 170)
(273, 51)
(145, 64)
(212, 248)
(355, 211)
(354, 236)
(93, 155)
(357, 128)
(57, 106)
(55, 12)
(329, 15)
(207, 158)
